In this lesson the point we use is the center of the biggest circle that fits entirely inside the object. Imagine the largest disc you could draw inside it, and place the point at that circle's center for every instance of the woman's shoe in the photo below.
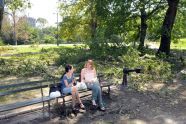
(74, 109)
(102, 108)
(94, 103)
(82, 106)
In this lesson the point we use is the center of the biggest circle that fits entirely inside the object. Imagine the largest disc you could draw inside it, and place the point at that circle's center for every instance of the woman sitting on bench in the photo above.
(67, 85)
(88, 75)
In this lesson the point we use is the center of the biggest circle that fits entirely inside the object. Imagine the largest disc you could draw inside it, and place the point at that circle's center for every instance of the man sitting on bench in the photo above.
(89, 76)
(67, 86)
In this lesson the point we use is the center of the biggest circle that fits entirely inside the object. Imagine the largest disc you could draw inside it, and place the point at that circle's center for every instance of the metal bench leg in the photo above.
(108, 90)
(49, 108)
(64, 107)
(43, 108)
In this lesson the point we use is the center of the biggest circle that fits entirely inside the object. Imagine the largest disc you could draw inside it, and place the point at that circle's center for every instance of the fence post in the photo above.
(124, 82)
(126, 71)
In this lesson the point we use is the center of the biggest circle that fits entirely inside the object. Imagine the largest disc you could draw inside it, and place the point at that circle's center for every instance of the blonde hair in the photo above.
(91, 63)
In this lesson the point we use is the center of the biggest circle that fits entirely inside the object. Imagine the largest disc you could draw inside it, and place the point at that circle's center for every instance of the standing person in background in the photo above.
(67, 86)
(89, 76)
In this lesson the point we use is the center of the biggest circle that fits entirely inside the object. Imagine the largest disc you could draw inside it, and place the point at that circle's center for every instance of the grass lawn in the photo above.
(31, 48)
(180, 45)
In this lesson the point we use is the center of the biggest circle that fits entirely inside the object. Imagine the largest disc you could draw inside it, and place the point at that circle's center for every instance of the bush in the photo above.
(72, 55)
(1, 42)
(27, 67)
(154, 69)
(5, 48)
(49, 39)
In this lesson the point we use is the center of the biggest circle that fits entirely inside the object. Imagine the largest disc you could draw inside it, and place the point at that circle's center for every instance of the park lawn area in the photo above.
(32, 48)
(18, 49)
(180, 45)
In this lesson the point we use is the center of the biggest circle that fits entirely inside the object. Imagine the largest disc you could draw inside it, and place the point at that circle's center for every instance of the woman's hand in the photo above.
(70, 85)
(89, 81)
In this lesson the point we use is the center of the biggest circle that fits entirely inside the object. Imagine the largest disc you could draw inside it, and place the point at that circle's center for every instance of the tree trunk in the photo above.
(1, 12)
(14, 30)
(167, 27)
(93, 25)
(93, 28)
(93, 22)
(143, 28)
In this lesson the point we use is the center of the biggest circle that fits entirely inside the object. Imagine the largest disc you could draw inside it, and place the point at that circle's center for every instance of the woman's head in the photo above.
(68, 68)
(90, 64)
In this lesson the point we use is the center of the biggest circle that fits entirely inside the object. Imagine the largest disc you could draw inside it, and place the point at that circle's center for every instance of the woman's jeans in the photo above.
(96, 92)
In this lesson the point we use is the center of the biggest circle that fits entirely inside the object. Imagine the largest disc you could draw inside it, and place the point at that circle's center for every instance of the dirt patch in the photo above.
(126, 107)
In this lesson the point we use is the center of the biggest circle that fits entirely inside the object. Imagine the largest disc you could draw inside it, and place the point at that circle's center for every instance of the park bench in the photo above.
(12, 89)
(103, 84)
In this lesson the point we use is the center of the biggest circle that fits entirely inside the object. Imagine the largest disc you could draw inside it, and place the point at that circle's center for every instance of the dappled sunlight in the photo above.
(174, 86)
(23, 96)
(25, 110)
(132, 121)
(157, 86)
(183, 94)
(163, 119)
(15, 80)
(136, 121)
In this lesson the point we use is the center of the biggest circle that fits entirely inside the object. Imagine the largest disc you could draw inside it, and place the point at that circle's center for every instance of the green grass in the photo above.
(31, 48)
(181, 44)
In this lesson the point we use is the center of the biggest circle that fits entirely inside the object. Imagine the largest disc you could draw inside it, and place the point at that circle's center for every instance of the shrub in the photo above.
(49, 39)
(72, 55)
(27, 67)
(1, 42)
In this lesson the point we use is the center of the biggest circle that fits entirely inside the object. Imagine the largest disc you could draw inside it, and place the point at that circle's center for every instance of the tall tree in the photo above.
(93, 22)
(147, 9)
(1, 12)
(6, 30)
(168, 26)
(14, 6)
(23, 29)
(41, 22)
(143, 27)
(77, 16)
(129, 17)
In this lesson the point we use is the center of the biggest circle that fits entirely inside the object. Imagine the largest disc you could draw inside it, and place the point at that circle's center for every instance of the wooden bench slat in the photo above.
(22, 84)
(21, 89)
(24, 104)
(105, 84)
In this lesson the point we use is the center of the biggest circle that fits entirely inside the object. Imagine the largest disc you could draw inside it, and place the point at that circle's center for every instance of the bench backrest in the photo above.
(21, 87)
(57, 86)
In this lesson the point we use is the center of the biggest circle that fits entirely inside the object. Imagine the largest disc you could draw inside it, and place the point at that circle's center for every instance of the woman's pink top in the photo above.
(89, 75)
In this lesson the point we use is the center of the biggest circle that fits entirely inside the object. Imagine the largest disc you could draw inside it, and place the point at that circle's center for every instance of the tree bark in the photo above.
(93, 28)
(93, 22)
(1, 12)
(14, 30)
(143, 28)
(167, 26)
